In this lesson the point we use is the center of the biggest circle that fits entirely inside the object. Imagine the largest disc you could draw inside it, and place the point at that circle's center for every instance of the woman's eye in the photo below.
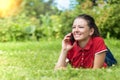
(73, 27)
(81, 27)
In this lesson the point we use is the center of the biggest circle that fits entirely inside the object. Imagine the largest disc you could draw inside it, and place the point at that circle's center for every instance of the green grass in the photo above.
(36, 61)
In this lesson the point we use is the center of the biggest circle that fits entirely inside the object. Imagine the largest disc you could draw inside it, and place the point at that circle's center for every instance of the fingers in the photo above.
(67, 37)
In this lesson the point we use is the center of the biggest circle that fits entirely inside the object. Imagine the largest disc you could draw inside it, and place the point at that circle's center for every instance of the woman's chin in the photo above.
(77, 39)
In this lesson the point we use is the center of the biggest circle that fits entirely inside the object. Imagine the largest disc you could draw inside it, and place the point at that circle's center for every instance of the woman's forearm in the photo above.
(99, 60)
(62, 60)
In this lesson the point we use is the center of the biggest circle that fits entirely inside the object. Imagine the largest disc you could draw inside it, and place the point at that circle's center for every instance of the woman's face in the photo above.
(81, 31)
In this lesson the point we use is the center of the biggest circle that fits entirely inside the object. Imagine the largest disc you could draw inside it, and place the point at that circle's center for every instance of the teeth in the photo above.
(77, 35)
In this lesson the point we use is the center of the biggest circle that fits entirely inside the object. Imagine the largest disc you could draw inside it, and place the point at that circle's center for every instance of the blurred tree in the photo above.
(37, 7)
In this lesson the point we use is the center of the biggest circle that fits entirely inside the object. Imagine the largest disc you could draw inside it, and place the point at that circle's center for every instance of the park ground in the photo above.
(34, 60)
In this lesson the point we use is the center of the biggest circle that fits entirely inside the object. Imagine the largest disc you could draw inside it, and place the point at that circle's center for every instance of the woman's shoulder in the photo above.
(98, 39)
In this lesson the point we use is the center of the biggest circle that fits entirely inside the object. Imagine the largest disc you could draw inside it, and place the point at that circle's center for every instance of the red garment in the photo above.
(84, 57)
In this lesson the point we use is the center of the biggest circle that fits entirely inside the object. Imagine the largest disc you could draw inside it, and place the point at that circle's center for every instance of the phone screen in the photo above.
(72, 39)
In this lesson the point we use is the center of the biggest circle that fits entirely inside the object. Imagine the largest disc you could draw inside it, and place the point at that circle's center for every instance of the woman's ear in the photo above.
(91, 31)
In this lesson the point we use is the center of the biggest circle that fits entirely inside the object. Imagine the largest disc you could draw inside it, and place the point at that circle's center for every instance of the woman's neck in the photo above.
(83, 43)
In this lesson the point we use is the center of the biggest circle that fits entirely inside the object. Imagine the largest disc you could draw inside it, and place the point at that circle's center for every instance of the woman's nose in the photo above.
(76, 29)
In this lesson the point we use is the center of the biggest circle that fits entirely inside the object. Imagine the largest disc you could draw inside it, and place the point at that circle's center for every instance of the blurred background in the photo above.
(32, 20)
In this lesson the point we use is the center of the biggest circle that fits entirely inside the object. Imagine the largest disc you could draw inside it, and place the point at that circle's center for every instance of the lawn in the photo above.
(36, 61)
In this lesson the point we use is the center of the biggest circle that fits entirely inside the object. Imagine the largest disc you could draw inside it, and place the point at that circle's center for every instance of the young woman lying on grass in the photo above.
(83, 47)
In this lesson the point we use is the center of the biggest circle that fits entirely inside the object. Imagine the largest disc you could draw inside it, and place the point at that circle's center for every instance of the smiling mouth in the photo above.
(77, 35)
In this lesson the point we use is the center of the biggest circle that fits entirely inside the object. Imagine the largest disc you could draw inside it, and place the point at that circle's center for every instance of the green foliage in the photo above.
(111, 25)
(107, 16)
(66, 21)
(37, 7)
(17, 28)
(41, 19)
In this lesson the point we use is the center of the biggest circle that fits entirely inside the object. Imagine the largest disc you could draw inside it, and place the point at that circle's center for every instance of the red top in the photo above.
(84, 57)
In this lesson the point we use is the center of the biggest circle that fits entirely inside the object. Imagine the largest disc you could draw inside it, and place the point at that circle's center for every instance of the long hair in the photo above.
(91, 23)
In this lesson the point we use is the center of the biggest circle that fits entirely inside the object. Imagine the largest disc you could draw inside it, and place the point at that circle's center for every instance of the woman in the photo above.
(87, 50)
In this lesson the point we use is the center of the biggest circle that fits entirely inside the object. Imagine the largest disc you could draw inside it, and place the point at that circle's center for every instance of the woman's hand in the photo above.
(66, 46)
(66, 43)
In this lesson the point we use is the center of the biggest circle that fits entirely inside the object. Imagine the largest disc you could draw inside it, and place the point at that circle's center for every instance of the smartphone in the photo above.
(72, 38)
